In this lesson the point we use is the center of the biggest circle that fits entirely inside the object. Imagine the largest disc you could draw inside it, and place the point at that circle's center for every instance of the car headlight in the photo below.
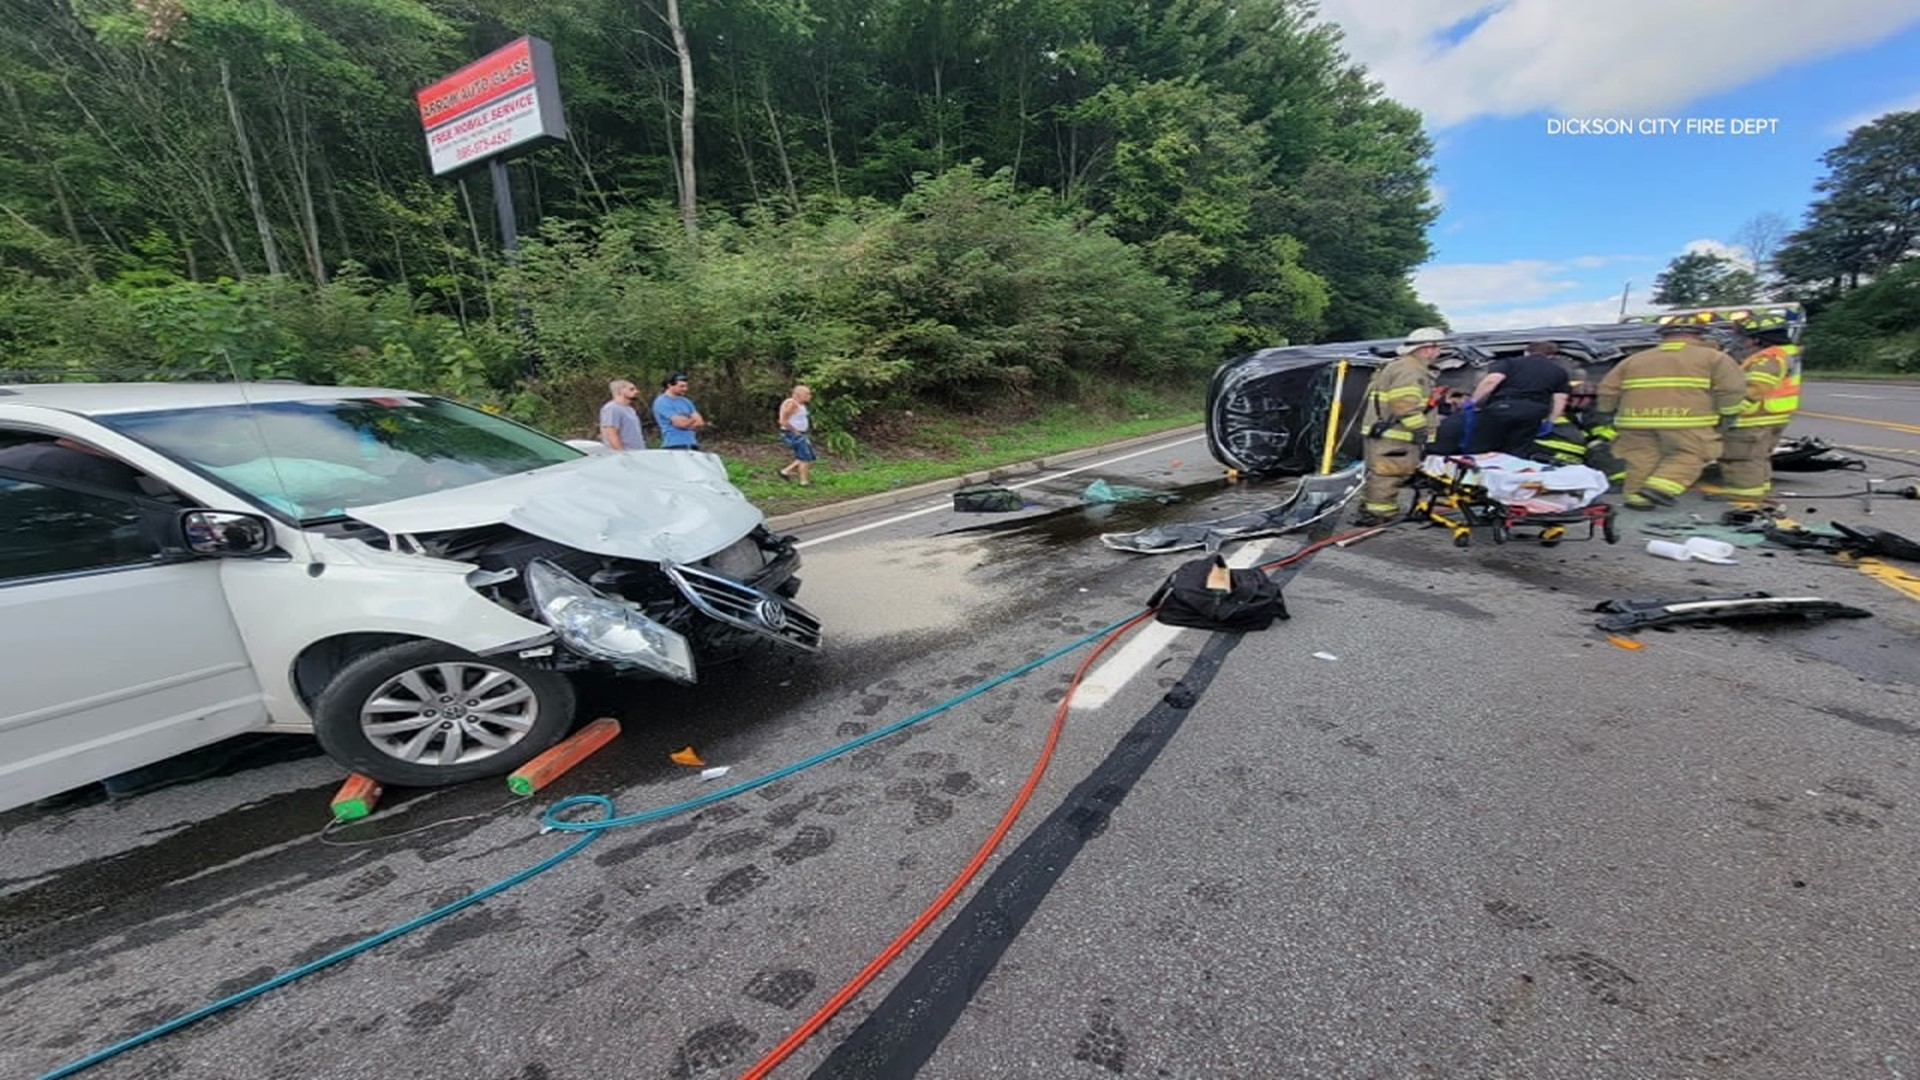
(596, 625)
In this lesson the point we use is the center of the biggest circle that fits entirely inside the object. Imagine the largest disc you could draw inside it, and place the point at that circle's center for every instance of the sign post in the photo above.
(504, 103)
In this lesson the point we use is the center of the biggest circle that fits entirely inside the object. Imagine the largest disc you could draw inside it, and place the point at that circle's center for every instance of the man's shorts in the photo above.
(801, 445)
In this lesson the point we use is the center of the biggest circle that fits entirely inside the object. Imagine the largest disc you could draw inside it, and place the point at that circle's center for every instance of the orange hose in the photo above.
(798, 1038)
(846, 993)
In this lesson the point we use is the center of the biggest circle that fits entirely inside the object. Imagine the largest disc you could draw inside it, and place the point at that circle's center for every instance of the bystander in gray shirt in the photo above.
(624, 420)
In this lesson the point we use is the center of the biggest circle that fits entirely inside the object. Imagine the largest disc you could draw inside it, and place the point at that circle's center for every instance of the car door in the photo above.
(116, 650)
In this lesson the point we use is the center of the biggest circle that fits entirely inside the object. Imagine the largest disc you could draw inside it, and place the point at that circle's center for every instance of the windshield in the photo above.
(312, 460)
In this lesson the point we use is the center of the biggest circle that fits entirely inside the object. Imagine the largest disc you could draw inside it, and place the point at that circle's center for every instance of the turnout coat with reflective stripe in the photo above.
(1773, 387)
(1398, 394)
(1676, 384)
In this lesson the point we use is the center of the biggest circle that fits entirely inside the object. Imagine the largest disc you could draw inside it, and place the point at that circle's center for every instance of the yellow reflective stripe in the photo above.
(1761, 378)
(1397, 436)
(1662, 484)
(1763, 420)
(1414, 420)
(1627, 422)
(1665, 382)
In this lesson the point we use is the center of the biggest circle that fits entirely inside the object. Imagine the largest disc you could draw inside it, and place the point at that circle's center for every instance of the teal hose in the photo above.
(552, 821)
(332, 958)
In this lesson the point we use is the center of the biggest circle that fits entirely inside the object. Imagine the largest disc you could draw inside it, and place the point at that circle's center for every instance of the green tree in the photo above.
(1703, 279)
(1868, 218)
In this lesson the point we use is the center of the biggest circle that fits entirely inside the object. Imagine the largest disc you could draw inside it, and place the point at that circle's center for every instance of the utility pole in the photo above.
(1623, 298)
(510, 243)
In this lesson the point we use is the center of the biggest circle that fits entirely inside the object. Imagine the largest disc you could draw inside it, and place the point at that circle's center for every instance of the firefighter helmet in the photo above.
(1679, 328)
(1426, 335)
(1766, 328)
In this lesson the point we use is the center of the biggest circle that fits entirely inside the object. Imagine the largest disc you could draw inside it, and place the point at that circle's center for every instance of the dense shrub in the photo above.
(967, 293)
(1875, 327)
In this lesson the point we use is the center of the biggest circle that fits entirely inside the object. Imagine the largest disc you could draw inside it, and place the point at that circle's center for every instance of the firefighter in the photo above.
(1671, 405)
(1583, 425)
(1578, 440)
(1773, 395)
(1398, 418)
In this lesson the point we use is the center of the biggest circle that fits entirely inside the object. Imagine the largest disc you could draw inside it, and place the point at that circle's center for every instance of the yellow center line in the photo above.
(1890, 425)
(1891, 576)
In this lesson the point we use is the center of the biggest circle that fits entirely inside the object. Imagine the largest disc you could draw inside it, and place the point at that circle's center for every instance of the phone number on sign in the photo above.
(485, 143)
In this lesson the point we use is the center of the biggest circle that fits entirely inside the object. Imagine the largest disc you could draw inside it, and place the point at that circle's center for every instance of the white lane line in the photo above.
(1105, 681)
(937, 507)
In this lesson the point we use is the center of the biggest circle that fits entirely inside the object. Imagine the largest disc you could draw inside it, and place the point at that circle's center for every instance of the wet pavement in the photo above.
(1483, 841)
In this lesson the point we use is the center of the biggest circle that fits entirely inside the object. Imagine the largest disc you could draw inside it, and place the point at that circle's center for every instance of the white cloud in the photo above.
(1905, 104)
(1605, 309)
(1527, 292)
(1730, 252)
(1576, 58)
(1471, 286)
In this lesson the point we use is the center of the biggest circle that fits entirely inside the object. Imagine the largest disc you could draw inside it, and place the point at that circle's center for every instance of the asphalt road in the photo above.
(1480, 841)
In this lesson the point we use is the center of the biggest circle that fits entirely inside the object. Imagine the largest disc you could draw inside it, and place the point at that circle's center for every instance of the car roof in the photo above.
(103, 399)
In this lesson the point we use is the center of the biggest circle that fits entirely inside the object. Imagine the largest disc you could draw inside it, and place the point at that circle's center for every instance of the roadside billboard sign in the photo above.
(507, 100)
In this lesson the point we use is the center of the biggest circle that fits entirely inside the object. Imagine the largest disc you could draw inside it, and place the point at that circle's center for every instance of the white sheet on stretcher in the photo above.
(1521, 483)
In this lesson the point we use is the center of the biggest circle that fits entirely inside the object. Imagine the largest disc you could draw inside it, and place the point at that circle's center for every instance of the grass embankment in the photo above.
(912, 448)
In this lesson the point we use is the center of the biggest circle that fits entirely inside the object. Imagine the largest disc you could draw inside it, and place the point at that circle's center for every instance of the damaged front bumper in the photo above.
(747, 608)
(606, 628)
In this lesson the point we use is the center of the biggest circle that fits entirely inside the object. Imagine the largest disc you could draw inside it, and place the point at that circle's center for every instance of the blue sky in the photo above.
(1542, 226)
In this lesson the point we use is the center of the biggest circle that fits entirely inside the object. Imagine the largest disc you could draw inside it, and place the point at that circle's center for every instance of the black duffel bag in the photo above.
(1207, 594)
(987, 499)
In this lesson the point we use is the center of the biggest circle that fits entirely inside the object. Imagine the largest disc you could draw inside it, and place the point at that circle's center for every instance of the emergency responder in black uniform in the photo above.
(1519, 399)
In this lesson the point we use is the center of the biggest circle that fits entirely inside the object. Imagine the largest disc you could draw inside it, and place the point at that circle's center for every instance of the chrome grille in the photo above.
(746, 607)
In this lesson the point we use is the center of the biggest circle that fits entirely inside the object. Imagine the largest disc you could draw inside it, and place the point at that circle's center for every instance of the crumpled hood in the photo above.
(653, 505)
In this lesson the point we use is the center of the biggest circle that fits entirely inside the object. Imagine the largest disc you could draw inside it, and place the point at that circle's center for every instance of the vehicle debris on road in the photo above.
(1854, 540)
(1631, 614)
(1101, 492)
(1315, 498)
(1810, 453)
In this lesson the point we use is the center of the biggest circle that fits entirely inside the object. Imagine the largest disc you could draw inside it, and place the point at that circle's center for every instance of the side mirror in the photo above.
(224, 532)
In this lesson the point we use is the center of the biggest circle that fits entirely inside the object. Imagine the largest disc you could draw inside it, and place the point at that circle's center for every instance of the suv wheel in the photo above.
(424, 714)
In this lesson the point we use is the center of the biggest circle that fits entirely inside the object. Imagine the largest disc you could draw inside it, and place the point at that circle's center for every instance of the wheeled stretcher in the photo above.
(1503, 495)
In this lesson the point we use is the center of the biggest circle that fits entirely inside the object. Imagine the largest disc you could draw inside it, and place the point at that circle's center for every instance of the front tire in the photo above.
(423, 714)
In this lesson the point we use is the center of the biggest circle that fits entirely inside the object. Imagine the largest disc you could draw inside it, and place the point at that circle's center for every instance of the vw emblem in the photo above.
(772, 615)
